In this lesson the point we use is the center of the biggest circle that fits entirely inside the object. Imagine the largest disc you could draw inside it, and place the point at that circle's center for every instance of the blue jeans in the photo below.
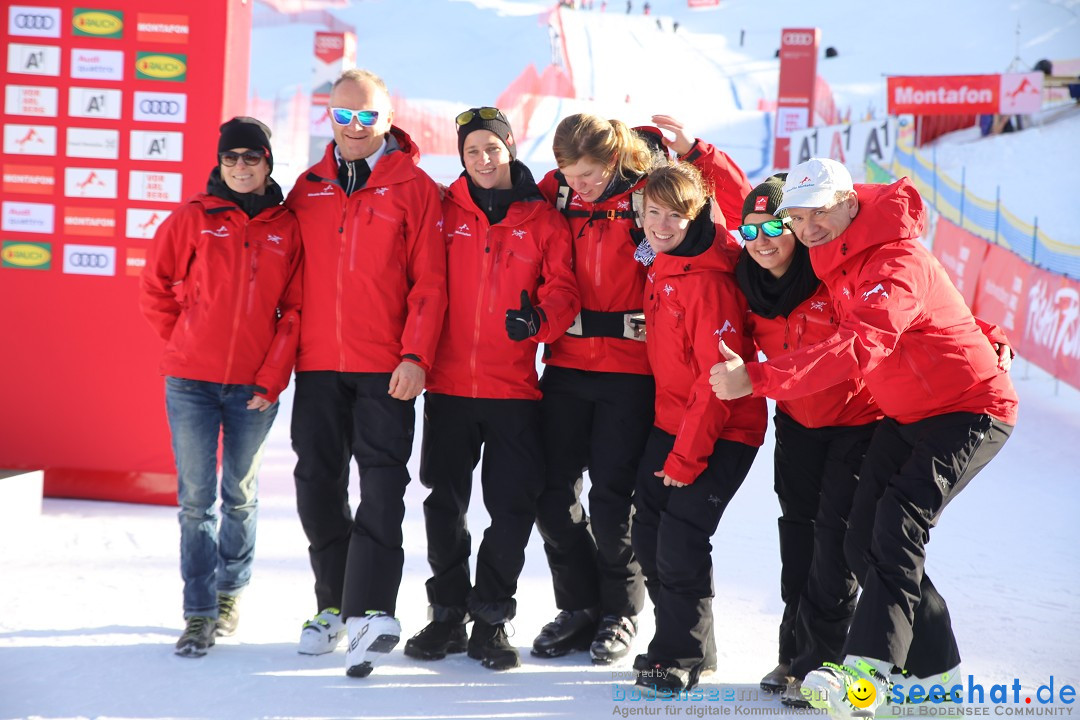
(213, 561)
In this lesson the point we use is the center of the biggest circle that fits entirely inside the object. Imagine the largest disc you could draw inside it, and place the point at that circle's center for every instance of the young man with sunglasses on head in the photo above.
(948, 402)
(221, 286)
(820, 442)
(374, 300)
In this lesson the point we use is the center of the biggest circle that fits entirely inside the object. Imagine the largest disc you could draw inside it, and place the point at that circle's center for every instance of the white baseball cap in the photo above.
(814, 183)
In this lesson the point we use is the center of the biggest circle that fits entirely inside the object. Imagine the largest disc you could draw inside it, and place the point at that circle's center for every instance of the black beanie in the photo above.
(498, 125)
(766, 197)
(246, 132)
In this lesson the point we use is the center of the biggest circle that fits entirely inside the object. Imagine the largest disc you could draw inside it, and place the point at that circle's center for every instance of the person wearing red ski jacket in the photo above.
(222, 287)
(700, 448)
(820, 443)
(510, 287)
(598, 388)
(949, 408)
(374, 297)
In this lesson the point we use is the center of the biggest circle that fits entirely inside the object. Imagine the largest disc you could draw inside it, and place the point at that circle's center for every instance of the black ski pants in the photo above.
(815, 474)
(911, 472)
(598, 420)
(673, 527)
(512, 476)
(338, 416)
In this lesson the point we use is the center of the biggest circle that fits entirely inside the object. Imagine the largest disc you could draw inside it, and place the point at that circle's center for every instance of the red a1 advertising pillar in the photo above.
(334, 53)
(795, 98)
(110, 119)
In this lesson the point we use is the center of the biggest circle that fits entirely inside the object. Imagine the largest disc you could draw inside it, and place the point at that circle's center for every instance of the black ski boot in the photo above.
(613, 638)
(570, 630)
(437, 640)
(492, 648)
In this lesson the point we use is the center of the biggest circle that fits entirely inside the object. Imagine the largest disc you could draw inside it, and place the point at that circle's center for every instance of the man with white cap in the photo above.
(949, 407)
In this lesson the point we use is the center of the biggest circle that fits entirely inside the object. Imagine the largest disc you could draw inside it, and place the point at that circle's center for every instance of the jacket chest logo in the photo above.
(727, 328)
(879, 288)
(220, 232)
(668, 290)
(463, 230)
(818, 305)
(327, 190)
(276, 239)
(380, 191)
(519, 233)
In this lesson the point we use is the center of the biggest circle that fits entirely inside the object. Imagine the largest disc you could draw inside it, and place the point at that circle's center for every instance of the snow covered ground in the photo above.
(90, 592)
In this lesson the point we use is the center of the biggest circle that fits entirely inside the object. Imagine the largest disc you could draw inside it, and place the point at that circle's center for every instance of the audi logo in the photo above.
(89, 260)
(159, 107)
(34, 22)
(792, 38)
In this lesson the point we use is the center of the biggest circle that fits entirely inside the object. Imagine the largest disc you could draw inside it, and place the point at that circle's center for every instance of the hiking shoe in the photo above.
(322, 633)
(778, 678)
(228, 615)
(437, 640)
(490, 645)
(661, 678)
(570, 630)
(855, 689)
(198, 637)
(902, 680)
(613, 637)
(792, 696)
(371, 638)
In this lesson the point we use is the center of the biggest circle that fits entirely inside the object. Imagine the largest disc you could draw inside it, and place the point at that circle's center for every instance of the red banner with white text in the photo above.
(962, 255)
(1012, 93)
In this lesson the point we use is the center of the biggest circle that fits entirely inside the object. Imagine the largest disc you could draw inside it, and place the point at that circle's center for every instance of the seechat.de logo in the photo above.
(161, 66)
(98, 23)
(26, 255)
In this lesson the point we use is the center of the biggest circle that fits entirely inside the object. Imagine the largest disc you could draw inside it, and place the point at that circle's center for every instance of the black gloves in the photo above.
(523, 323)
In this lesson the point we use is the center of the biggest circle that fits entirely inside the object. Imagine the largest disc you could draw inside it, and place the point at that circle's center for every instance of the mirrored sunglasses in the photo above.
(344, 116)
(251, 157)
(485, 113)
(771, 228)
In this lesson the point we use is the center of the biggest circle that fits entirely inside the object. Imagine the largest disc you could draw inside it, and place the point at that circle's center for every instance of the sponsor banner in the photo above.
(135, 261)
(146, 145)
(999, 296)
(33, 101)
(97, 23)
(156, 186)
(26, 255)
(33, 59)
(142, 224)
(29, 140)
(1051, 336)
(90, 221)
(94, 103)
(329, 47)
(34, 21)
(943, 94)
(93, 143)
(702, 4)
(1021, 93)
(851, 144)
(89, 64)
(27, 217)
(156, 28)
(796, 88)
(160, 107)
(962, 255)
(90, 182)
(29, 179)
(89, 260)
(161, 66)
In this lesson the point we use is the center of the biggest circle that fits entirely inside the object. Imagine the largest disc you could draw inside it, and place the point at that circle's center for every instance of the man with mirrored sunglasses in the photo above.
(373, 311)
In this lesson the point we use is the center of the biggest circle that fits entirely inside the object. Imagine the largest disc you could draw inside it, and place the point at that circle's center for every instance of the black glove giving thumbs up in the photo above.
(523, 323)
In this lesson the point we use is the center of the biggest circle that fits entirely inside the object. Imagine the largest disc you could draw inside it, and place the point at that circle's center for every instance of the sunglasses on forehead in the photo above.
(771, 228)
(251, 157)
(485, 113)
(344, 116)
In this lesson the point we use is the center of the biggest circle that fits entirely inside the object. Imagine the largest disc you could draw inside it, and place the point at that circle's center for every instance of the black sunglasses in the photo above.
(251, 157)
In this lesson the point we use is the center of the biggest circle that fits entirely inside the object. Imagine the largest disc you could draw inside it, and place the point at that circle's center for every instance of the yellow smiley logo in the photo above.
(862, 693)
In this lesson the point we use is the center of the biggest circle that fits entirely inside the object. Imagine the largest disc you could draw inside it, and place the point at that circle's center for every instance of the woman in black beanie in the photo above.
(221, 286)
(820, 443)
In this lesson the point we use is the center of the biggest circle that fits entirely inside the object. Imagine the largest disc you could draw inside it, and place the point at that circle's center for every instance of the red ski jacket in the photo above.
(487, 267)
(608, 277)
(690, 304)
(903, 324)
(374, 264)
(847, 403)
(224, 292)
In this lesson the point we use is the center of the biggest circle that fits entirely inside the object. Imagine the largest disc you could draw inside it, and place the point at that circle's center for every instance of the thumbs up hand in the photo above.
(729, 379)
(523, 323)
